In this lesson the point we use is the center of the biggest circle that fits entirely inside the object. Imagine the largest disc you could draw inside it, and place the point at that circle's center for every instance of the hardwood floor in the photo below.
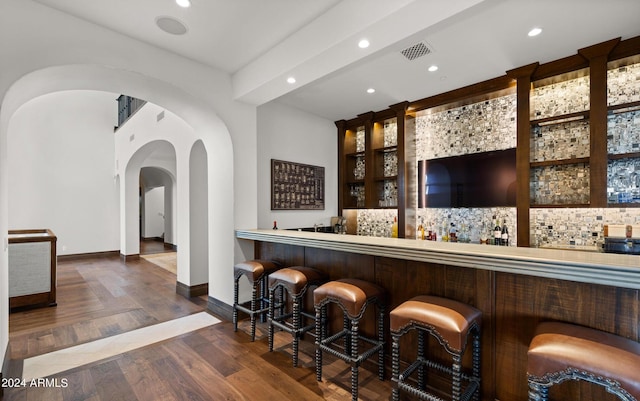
(102, 297)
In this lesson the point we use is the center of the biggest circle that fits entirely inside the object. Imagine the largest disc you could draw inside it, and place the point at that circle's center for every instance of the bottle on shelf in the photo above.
(505, 234)
(420, 231)
(497, 232)
(275, 225)
(445, 231)
(394, 228)
(463, 233)
(453, 233)
(483, 234)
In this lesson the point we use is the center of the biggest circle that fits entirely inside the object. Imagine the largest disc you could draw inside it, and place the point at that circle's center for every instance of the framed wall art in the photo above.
(296, 186)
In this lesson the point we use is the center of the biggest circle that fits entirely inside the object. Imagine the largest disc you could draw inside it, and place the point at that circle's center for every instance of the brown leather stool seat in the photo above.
(295, 281)
(256, 271)
(563, 351)
(353, 297)
(451, 323)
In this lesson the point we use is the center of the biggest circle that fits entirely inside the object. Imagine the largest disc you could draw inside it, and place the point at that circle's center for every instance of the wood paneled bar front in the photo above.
(515, 288)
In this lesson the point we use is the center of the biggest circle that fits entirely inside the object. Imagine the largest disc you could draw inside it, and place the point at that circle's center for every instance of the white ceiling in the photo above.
(262, 42)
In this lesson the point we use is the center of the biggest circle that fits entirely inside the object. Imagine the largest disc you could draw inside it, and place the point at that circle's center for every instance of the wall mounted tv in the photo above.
(484, 179)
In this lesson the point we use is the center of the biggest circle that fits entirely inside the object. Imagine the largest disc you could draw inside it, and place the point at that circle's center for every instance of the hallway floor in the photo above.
(102, 298)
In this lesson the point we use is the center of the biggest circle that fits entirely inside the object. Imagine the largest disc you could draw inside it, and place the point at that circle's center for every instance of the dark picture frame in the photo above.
(296, 186)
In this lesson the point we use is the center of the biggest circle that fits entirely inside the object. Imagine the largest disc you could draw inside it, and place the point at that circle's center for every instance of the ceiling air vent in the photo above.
(415, 51)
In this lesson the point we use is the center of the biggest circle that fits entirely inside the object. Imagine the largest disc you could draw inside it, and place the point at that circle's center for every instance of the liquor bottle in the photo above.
(275, 225)
(483, 234)
(505, 233)
(420, 230)
(445, 231)
(453, 233)
(394, 228)
(434, 234)
(497, 233)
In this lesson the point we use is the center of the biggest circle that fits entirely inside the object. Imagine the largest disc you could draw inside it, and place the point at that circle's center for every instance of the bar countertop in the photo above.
(589, 267)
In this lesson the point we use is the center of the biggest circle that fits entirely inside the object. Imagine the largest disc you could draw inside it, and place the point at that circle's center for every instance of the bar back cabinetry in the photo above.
(623, 132)
(32, 268)
(578, 142)
(560, 146)
(371, 164)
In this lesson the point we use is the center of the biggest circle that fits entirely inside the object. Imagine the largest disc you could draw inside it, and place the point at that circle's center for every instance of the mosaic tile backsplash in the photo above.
(360, 140)
(491, 125)
(390, 167)
(623, 132)
(478, 127)
(472, 224)
(579, 226)
(623, 181)
(390, 133)
(560, 141)
(376, 222)
(623, 84)
(560, 98)
(560, 185)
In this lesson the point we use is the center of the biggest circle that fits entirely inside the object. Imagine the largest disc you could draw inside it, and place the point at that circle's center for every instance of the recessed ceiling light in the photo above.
(363, 44)
(171, 25)
(184, 3)
(535, 32)
(433, 68)
(291, 80)
(371, 90)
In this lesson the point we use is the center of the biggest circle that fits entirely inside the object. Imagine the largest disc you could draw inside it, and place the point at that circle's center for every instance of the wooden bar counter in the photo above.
(515, 288)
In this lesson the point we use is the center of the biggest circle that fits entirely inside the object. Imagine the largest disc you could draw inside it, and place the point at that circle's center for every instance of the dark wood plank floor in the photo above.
(101, 297)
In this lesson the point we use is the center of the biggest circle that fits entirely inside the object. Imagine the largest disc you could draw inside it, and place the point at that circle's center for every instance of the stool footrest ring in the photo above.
(433, 365)
(466, 396)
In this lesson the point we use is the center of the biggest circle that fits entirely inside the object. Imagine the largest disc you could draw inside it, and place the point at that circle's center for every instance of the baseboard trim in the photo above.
(220, 308)
(152, 239)
(129, 258)
(79, 256)
(193, 290)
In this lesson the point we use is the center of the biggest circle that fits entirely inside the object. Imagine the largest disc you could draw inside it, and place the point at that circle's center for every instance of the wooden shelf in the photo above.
(389, 178)
(624, 156)
(632, 204)
(356, 154)
(559, 205)
(561, 162)
(387, 149)
(624, 107)
(562, 118)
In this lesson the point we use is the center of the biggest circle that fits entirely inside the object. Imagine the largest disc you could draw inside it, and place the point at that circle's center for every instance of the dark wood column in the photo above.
(597, 56)
(522, 76)
(342, 129)
(400, 109)
(370, 190)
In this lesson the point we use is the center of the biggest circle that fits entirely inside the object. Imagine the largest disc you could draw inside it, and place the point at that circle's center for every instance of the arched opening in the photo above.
(198, 115)
(157, 208)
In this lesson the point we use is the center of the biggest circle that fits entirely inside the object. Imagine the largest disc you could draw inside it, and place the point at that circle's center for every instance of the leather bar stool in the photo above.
(256, 271)
(295, 281)
(353, 297)
(453, 324)
(563, 351)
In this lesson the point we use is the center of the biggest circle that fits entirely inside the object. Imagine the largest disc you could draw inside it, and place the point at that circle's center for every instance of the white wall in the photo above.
(153, 213)
(44, 51)
(285, 133)
(61, 164)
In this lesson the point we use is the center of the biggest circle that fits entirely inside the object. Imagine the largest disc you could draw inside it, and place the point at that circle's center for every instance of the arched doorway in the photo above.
(157, 210)
(205, 124)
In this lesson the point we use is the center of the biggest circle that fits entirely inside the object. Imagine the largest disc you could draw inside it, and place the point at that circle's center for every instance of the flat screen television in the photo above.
(485, 179)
